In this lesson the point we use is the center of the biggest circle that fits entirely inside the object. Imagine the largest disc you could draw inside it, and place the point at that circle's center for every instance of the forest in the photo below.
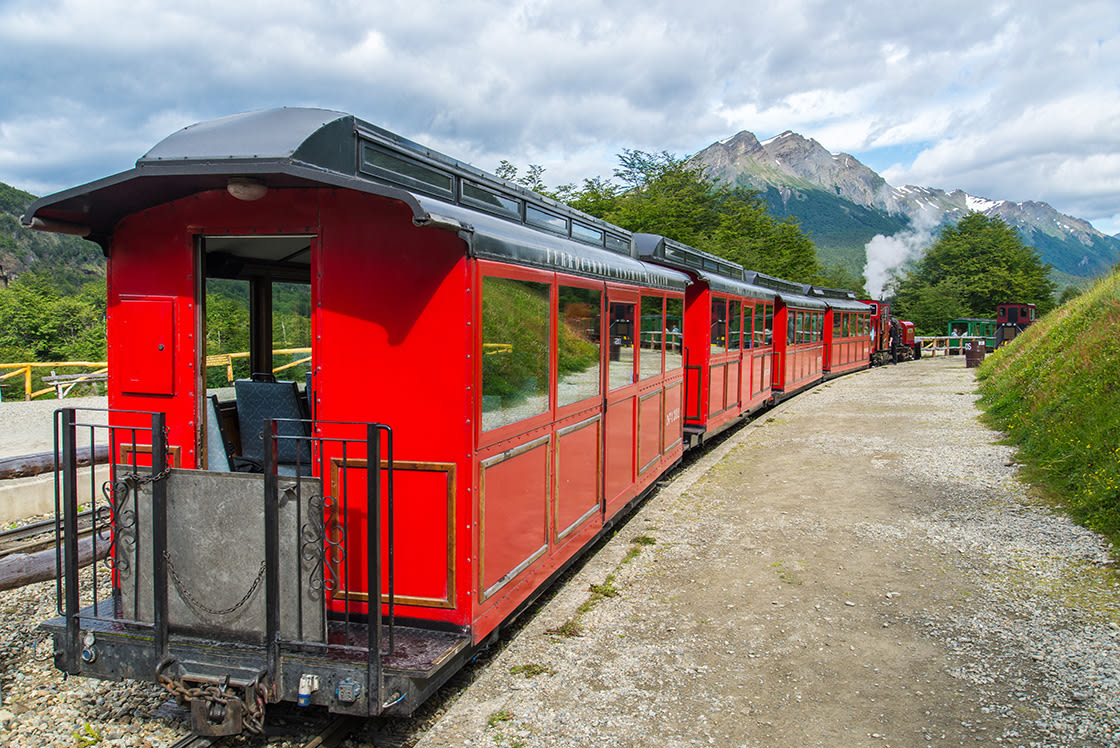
(53, 308)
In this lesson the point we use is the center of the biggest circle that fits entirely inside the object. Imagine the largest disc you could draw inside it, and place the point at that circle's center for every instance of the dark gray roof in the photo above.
(292, 147)
(839, 298)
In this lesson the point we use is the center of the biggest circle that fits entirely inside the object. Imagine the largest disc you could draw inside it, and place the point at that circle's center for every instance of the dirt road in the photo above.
(858, 567)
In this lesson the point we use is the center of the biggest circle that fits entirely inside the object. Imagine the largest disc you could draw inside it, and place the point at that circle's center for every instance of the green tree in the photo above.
(673, 197)
(39, 323)
(972, 267)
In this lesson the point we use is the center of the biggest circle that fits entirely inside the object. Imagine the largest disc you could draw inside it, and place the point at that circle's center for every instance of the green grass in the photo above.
(1055, 391)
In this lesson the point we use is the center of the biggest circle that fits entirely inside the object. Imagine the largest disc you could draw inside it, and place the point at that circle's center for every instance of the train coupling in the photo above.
(226, 703)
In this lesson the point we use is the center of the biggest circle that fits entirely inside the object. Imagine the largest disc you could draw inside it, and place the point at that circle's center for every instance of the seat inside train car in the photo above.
(258, 349)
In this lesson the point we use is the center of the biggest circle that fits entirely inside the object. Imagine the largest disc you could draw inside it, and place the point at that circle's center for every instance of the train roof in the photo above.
(789, 293)
(839, 298)
(721, 274)
(299, 147)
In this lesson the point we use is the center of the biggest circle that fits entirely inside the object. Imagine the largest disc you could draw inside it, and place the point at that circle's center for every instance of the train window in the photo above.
(749, 311)
(515, 350)
(674, 322)
(621, 367)
(291, 331)
(618, 244)
(587, 234)
(578, 344)
(839, 326)
(545, 220)
(768, 326)
(405, 171)
(791, 326)
(227, 331)
(760, 326)
(494, 202)
(652, 337)
(719, 325)
(735, 326)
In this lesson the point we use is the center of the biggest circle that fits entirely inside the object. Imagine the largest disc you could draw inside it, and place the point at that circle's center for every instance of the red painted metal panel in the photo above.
(514, 514)
(393, 346)
(650, 406)
(718, 392)
(147, 326)
(619, 452)
(578, 475)
(422, 533)
(674, 405)
(697, 337)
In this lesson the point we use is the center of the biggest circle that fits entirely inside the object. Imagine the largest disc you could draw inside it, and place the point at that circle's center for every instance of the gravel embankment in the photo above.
(858, 567)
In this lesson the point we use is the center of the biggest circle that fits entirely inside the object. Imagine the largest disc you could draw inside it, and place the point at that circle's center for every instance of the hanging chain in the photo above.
(187, 597)
(252, 716)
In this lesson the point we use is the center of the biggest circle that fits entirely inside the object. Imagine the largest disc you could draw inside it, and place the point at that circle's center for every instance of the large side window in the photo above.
(719, 325)
(768, 326)
(652, 337)
(578, 344)
(735, 325)
(621, 368)
(515, 350)
(674, 324)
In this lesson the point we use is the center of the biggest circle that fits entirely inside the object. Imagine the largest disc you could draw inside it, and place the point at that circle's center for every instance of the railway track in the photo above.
(329, 736)
(38, 536)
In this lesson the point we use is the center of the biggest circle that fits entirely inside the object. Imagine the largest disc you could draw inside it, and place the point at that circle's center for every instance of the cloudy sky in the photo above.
(1016, 100)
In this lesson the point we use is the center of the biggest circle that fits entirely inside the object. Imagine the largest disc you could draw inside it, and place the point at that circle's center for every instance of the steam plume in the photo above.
(887, 253)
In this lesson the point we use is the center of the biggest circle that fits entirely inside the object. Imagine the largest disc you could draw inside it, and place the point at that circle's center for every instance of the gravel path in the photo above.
(27, 427)
(858, 567)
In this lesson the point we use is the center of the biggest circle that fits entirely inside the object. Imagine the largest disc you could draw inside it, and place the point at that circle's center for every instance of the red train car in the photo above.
(799, 352)
(510, 353)
(847, 331)
(484, 381)
(727, 333)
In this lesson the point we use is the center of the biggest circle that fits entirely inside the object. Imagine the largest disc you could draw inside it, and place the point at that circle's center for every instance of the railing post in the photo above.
(70, 538)
(373, 570)
(159, 534)
(271, 551)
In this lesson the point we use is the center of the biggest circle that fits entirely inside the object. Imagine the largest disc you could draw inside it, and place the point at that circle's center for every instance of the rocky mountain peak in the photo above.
(802, 175)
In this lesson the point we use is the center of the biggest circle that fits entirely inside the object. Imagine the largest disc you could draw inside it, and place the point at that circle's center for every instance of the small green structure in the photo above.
(968, 328)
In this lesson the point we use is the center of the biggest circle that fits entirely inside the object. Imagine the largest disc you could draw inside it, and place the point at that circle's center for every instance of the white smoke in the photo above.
(885, 254)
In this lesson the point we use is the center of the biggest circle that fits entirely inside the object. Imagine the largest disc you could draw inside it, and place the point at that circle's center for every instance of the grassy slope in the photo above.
(1056, 392)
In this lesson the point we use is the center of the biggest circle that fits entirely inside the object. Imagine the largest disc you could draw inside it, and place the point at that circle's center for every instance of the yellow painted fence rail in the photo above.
(98, 371)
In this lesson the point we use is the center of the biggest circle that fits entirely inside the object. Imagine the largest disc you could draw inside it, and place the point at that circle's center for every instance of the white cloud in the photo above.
(1016, 101)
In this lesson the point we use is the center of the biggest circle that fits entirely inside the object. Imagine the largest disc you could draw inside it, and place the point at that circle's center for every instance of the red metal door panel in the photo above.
(578, 474)
(513, 513)
(649, 429)
(147, 327)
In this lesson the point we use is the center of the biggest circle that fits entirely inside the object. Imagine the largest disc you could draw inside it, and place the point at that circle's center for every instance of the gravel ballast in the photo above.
(859, 566)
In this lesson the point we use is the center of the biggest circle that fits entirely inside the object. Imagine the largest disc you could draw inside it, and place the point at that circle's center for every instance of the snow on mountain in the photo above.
(823, 190)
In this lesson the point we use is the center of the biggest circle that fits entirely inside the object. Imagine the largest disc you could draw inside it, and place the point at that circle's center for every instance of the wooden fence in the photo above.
(98, 371)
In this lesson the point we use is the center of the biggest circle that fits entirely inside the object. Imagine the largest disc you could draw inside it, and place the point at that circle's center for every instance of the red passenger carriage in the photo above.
(847, 334)
(497, 333)
(728, 340)
(493, 380)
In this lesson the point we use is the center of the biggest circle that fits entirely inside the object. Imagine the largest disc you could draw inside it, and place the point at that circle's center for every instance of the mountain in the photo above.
(842, 204)
(69, 261)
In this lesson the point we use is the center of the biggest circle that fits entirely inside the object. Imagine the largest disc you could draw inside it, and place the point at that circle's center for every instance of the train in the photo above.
(495, 380)
(1010, 320)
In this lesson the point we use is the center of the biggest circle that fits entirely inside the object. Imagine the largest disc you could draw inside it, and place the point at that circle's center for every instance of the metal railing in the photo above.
(318, 519)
